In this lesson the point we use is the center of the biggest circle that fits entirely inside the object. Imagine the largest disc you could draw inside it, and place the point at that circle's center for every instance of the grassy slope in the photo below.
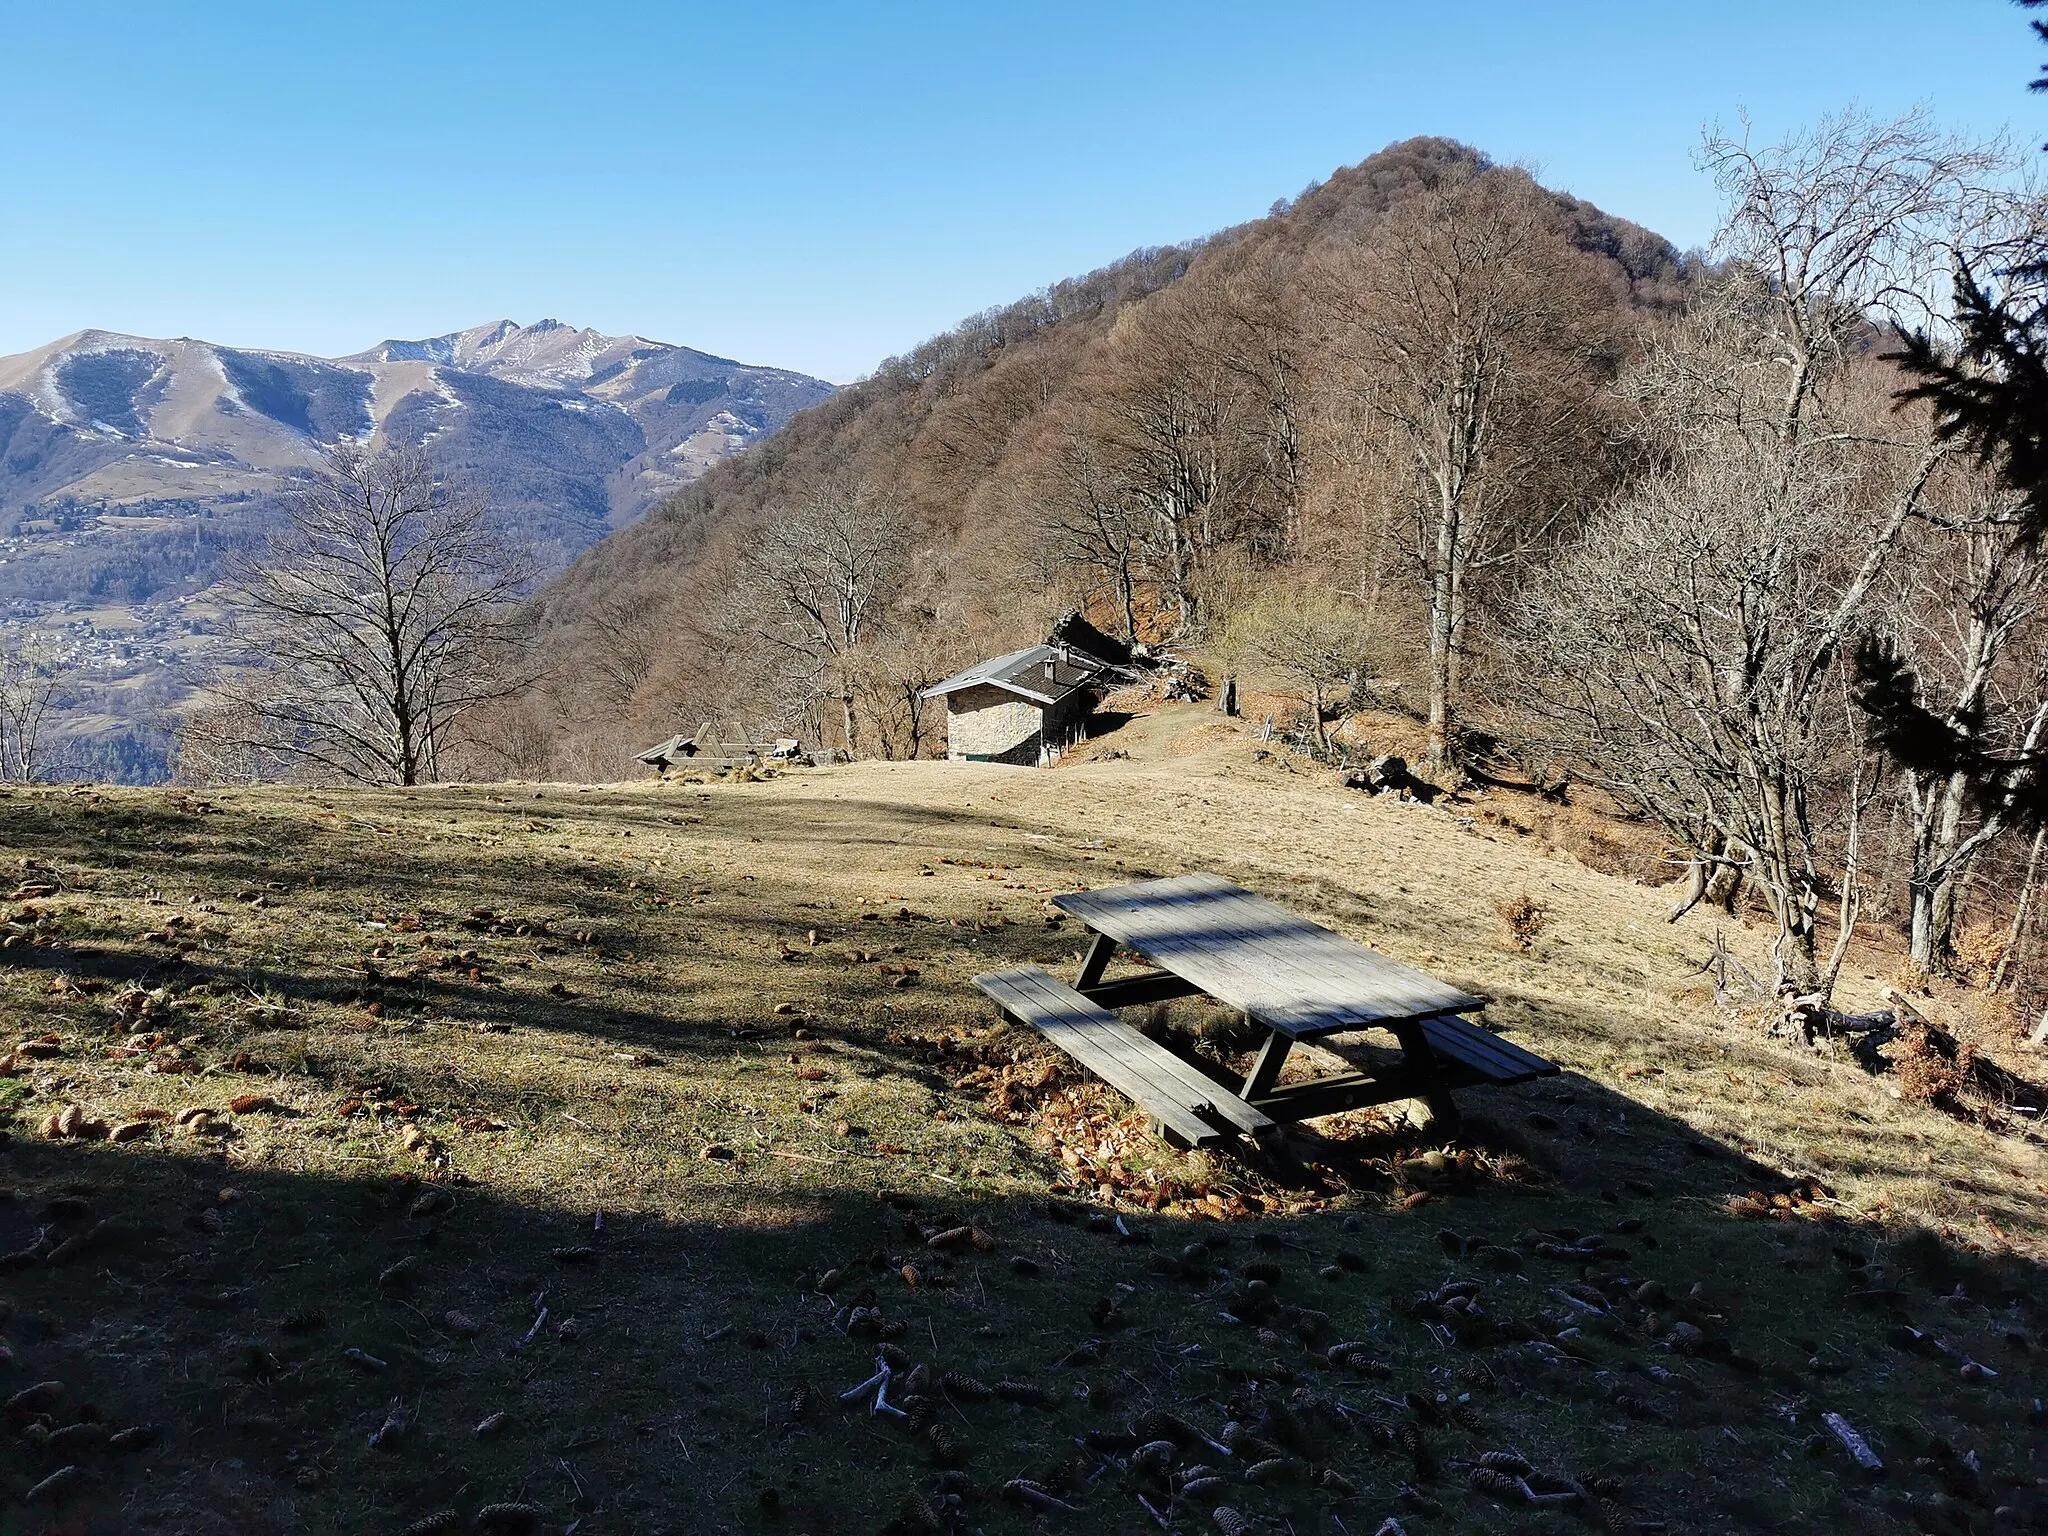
(586, 1068)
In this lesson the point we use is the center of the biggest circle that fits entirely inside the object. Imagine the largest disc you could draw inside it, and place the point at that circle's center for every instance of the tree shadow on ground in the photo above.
(1596, 1288)
(679, 1371)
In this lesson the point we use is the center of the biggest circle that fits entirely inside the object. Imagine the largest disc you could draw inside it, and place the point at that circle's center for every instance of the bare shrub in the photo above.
(1312, 636)
(1910, 978)
(1923, 1072)
(1524, 918)
(1980, 951)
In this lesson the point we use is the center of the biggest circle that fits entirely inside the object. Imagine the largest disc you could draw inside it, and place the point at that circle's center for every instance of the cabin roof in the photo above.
(1044, 674)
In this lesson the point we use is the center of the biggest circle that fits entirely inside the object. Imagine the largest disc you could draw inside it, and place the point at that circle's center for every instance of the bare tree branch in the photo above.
(369, 624)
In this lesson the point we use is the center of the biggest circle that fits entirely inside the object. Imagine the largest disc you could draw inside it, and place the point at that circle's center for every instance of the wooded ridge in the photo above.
(1008, 445)
(1433, 440)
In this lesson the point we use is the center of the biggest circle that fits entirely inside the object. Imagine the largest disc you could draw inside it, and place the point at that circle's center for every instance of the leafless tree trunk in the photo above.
(823, 574)
(1971, 596)
(371, 622)
(2022, 911)
(30, 675)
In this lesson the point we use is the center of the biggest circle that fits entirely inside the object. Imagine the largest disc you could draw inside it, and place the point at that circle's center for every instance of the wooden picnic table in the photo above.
(1294, 978)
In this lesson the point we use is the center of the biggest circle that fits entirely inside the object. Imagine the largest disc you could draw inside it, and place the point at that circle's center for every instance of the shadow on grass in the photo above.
(1629, 1332)
(1680, 1356)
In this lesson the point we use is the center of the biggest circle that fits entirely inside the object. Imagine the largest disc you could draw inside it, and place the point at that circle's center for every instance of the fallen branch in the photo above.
(1857, 1446)
(854, 1394)
(1023, 1492)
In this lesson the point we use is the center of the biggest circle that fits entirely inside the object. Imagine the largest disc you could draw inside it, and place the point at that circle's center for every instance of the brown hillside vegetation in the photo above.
(1432, 442)
(1197, 369)
(576, 1148)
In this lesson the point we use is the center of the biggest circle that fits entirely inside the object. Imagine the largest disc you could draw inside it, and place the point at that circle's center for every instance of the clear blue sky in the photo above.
(821, 185)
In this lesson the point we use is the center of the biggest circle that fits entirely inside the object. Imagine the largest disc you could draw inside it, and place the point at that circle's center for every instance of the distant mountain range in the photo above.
(131, 467)
(575, 433)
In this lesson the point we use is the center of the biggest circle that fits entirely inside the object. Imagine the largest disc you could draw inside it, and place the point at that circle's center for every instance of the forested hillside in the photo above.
(1443, 457)
(1143, 438)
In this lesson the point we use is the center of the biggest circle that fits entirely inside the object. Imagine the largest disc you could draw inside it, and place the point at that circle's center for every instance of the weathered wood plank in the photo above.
(1287, 972)
(1105, 1031)
(1295, 966)
(1093, 1043)
(1144, 1071)
(1497, 1060)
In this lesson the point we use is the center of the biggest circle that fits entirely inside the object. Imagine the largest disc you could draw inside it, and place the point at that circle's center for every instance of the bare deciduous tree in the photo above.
(1853, 222)
(1090, 526)
(31, 673)
(1691, 650)
(1688, 652)
(1183, 428)
(618, 650)
(374, 619)
(907, 724)
(820, 577)
(1467, 338)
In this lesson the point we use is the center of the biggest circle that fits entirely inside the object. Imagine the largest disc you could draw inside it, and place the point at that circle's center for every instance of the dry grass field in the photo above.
(572, 1150)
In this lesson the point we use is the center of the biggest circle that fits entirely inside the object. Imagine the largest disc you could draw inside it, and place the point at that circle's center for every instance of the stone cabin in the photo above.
(1025, 708)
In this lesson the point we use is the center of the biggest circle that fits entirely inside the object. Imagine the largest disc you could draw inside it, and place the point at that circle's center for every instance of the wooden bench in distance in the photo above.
(1195, 1109)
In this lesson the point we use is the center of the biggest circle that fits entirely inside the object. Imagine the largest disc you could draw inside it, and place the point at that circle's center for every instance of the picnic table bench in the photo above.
(1296, 979)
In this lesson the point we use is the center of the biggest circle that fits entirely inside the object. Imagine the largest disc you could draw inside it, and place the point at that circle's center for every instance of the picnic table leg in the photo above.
(1100, 953)
(1265, 1071)
(1421, 1060)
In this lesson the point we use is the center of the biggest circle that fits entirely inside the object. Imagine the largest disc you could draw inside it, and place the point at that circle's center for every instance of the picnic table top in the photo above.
(1295, 977)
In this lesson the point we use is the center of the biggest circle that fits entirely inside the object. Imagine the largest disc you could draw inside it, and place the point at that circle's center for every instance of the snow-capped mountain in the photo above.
(574, 432)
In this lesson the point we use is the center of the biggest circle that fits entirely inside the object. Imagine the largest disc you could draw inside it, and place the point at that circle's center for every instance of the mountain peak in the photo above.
(132, 417)
(550, 353)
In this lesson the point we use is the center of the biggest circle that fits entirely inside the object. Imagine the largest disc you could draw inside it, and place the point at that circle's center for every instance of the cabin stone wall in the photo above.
(987, 724)
(992, 725)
